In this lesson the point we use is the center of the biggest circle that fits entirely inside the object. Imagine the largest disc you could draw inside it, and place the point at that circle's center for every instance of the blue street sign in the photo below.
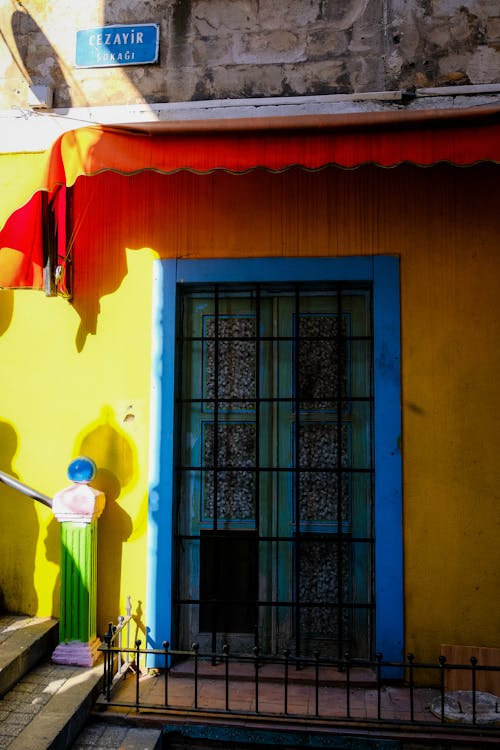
(106, 46)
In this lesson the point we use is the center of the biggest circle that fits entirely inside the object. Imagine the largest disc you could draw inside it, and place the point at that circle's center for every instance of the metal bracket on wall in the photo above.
(57, 264)
(49, 248)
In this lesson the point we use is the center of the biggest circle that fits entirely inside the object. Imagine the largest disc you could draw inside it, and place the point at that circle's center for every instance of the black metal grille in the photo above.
(274, 406)
(333, 692)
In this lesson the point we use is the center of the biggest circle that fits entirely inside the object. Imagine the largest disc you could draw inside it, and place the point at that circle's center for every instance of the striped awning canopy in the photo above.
(30, 183)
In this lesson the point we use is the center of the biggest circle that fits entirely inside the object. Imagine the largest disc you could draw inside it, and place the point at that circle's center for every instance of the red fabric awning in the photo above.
(386, 139)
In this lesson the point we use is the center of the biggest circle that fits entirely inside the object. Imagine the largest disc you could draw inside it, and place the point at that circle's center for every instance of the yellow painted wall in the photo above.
(75, 377)
(58, 402)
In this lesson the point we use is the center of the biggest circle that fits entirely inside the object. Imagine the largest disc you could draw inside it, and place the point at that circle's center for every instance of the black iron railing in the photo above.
(316, 689)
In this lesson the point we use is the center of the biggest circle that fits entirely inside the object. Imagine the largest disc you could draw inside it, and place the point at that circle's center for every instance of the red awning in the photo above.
(385, 139)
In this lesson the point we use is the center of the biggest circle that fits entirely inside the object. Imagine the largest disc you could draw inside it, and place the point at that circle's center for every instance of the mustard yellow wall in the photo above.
(75, 377)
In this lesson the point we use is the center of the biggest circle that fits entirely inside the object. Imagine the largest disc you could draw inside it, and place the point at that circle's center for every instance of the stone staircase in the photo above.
(47, 706)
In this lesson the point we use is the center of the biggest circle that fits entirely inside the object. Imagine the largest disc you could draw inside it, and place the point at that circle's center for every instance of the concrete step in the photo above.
(24, 641)
(103, 735)
(43, 706)
(48, 708)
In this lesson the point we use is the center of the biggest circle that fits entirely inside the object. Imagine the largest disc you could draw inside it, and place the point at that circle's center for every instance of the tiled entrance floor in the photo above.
(331, 710)
(331, 701)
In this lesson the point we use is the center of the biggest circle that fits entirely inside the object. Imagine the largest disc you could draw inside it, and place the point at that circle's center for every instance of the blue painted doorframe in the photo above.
(383, 272)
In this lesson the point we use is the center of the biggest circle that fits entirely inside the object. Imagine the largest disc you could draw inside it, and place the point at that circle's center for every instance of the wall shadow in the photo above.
(27, 33)
(19, 517)
(140, 631)
(52, 543)
(98, 247)
(6, 309)
(114, 454)
(115, 213)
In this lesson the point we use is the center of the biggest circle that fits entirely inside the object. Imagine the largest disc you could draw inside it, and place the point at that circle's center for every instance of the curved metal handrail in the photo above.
(17, 485)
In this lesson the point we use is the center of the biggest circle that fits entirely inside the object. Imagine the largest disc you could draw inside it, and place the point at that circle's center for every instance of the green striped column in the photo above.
(78, 582)
(77, 508)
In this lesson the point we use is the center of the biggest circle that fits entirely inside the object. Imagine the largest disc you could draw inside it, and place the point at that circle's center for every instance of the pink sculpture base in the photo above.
(77, 654)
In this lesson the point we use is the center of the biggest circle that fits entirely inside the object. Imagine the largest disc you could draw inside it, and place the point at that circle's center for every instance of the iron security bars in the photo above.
(321, 690)
(274, 537)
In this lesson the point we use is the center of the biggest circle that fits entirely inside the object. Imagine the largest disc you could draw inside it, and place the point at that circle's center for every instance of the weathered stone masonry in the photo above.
(216, 49)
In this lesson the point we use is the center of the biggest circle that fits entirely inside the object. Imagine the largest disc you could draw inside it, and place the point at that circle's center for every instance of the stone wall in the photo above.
(216, 49)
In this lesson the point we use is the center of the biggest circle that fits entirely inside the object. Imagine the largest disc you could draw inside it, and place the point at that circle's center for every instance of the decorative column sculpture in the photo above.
(77, 508)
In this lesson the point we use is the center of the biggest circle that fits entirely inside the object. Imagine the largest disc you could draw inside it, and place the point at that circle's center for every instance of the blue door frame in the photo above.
(383, 272)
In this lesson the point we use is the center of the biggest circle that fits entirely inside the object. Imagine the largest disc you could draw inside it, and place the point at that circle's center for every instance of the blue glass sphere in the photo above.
(82, 469)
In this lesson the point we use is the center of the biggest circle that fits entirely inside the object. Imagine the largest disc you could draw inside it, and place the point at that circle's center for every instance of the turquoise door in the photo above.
(274, 513)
